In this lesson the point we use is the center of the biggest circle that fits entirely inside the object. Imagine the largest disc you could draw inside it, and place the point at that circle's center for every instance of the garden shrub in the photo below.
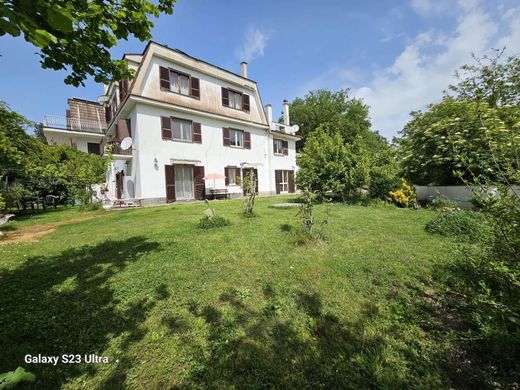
(464, 225)
(442, 202)
(404, 196)
(210, 220)
(310, 230)
(207, 222)
(90, 206)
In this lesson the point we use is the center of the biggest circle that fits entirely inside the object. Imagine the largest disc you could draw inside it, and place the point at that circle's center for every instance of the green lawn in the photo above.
(240, 306)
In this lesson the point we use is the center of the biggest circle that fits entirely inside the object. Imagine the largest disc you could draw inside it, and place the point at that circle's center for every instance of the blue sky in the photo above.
(396, 55)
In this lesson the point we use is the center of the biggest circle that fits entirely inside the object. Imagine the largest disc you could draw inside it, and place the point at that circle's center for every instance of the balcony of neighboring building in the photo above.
(76, 125)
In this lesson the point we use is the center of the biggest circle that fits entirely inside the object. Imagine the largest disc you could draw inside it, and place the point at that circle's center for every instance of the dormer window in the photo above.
(179, 83)
(235, 99)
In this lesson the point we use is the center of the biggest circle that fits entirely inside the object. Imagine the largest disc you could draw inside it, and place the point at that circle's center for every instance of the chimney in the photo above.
(286, 120)
(243, 69)
(269, 114)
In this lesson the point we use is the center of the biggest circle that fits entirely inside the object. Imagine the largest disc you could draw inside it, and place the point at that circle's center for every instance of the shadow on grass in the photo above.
(64, 304)
(250, 347)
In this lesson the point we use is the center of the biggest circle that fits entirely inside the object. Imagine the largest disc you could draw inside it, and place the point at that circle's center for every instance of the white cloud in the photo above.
(254, 44)
(425, 67)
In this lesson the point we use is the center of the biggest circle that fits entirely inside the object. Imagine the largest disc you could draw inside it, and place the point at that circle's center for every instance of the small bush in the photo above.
(207, 222)
(404, 196)
(464, 225)
(440, 202)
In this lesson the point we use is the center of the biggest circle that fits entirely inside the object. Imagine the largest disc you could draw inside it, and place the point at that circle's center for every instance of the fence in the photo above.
(460, 194)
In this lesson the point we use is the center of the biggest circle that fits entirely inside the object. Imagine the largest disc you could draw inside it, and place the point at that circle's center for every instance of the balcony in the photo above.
(74, 124)
(116, 149)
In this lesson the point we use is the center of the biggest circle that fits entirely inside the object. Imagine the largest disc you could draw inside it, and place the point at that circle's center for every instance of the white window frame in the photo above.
(236, 138)
(276, 150)
(182, 122)
(178, 76)
(232, 174)
(235, 99)
(284, 184)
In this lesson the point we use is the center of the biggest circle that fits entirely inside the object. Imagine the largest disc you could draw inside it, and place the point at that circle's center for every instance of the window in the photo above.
(231, 175)
(236, 138)
(181, 129)
(179, 83)
(94, 148)
(278, 146)
(235, 100)
(284, 184)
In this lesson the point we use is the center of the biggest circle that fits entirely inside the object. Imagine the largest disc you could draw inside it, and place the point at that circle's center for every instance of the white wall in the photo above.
(460, 194)
(211, 153)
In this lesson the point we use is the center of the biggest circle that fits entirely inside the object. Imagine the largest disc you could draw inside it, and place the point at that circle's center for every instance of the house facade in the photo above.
(186, 119)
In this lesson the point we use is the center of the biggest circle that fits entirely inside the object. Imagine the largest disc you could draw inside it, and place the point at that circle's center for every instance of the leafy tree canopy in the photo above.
(459, 136)
(334, 112)
(77, 34)
(490, 79)
(331, 167)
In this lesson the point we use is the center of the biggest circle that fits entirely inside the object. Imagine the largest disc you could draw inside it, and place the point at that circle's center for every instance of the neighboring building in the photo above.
(186, 118)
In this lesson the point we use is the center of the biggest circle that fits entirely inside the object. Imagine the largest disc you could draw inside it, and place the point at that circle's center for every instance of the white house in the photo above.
(186, 118)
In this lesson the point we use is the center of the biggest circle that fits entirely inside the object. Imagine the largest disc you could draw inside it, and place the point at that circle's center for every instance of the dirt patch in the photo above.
(34, 232)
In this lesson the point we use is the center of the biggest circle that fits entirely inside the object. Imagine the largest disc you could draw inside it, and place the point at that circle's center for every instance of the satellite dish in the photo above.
(126, 143)
(296, 128)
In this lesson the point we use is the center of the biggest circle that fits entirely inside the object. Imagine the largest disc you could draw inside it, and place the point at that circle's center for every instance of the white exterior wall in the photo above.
(81, 140)
(211, 153)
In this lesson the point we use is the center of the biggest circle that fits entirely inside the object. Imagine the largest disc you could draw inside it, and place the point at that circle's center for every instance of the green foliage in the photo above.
(336, 113)
(384, 174)
(331, 168)
(463, 225)
(77, 35)
(490, 80)
(217, 221)
(459, 136)
(249, 186)
(2, 203)
(30, 167)
(442, 202)
(10, 379)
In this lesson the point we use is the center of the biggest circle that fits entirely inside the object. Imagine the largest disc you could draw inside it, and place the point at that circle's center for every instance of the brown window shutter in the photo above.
(108, 114)
(225, 97)
(226, 173)
(195, 87)
(285, 147)
(291, 182)
(123, 89)
(166, 126)
(200, 185)
(245, 102)
(164, 76)
(256, 178)
(225, 135)
(196, 133)
(277, 180)
(129, 127)
(247, 140)
(169, 173)
(122, 129)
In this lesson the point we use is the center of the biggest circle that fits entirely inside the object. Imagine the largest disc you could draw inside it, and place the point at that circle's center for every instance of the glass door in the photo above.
(184, 182)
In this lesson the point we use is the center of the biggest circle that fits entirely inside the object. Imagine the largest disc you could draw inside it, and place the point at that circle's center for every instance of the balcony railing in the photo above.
(74, 124)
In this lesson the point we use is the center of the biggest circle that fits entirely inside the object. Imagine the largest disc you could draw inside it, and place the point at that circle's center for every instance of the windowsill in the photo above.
(180, 94)
(236, 147)
(280, 154)
(236, 109)
(180, 140)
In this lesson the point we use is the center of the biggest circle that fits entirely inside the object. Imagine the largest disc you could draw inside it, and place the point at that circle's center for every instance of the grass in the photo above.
(244, 305)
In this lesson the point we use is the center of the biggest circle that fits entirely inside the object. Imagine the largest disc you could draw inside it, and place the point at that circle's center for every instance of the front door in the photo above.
(184, 182)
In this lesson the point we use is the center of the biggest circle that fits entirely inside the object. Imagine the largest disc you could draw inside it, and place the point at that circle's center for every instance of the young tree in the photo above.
(77, 34)
(331, 167)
